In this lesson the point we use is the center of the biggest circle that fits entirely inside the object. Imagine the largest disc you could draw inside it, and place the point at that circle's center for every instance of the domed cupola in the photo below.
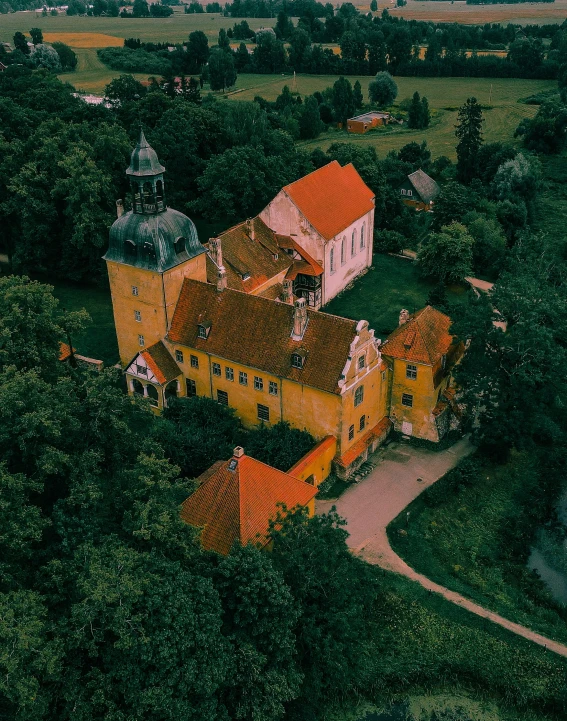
(151, 235)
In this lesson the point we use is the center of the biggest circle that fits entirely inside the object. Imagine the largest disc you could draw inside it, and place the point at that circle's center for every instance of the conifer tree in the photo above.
(469, 134)
(357, 95)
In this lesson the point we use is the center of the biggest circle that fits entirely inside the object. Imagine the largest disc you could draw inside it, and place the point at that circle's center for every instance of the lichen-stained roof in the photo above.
(259, 258)
(331, 198)
(237, 505)
(256, 332)
(424, 338)
(161, 363)
(144, 160)
(425, 187)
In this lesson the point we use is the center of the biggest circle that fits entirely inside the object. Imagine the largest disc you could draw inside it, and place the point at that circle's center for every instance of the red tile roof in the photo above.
(379, 431)
(331, 198)
(424, 338)
(161, 363)
(256, 332)
(65, 351)
(314, 268)
(237, 505)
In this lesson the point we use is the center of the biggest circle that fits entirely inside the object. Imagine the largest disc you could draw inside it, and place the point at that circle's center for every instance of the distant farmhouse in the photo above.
(363, 123)
(419, 191)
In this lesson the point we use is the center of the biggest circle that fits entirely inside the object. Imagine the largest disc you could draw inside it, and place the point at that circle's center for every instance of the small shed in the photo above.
(419, 191)
(365, 122)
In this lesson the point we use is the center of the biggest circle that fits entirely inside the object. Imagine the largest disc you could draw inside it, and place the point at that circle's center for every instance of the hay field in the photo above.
(445, 95)
(84, 40)
(174, 29)
(460, 12)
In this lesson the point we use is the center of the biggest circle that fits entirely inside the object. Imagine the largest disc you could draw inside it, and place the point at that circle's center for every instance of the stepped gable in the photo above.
(236, 500)
(256, 332)
(423, 338)
(331, 198)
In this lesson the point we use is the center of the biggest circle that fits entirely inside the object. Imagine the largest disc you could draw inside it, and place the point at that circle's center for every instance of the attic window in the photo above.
(149, 249)
(275, 256)
(179, 245)
(129, 249)
(203, 329)
(233, 464)
(245, 275)
(297, 360)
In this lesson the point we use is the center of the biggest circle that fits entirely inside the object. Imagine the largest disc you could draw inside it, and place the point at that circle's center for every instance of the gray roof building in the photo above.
(425, 187)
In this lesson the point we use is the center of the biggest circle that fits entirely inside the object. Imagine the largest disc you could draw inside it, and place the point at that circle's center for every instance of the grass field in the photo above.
(460, 12)
(379, 296)
(91, 75)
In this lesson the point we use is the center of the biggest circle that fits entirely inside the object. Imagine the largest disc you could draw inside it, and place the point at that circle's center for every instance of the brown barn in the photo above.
(363, 123)
(419, 191)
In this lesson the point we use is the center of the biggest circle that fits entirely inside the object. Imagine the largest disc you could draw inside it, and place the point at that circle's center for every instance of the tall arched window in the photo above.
(159, 191)
(153, 394)
(129, 249)
(343, 251)
(362, 231)
(148, 194)
(170, 391)
(332, 260)
(353, 245)
(179, 245)
(137, 387)
(136, 200)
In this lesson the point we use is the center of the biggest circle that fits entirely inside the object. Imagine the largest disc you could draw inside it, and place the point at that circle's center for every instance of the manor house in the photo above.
(233, 323)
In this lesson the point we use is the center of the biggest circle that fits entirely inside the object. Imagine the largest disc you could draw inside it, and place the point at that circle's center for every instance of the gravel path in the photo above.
(370, 505)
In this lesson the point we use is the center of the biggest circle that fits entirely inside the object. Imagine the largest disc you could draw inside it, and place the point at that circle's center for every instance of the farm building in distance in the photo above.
(419, 191)
(363, 123)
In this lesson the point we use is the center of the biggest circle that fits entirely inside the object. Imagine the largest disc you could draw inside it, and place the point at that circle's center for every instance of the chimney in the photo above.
(119, 208)
(250, 228)
(287, 291)
(404, 316)
(221, 279)
(299, 319)
(238, 452)
(215, 251)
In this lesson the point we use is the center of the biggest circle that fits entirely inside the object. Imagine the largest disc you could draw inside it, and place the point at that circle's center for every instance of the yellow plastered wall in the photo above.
(424, 400)
(316, 465)
(157, 295)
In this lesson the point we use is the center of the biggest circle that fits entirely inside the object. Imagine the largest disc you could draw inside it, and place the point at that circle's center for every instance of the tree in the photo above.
(67, 57)
(382, 90)
(310, 125)
(373, 6)
(21, 44)
(399, 46)
(527, 53)
(414, 113)
(489, 250)
(222, 73)
(140, 9)
(519, 179)
(447, 255)
(452, 204)
(160, 11)
(469, 135)
(124, 89)
(241, 57)
(112, 9)
(284, 26)
(357, 95)
(76, 7)
(342, 100)
(280, 446)
(36, 36)
(46, 57)
(547, 131)
(418, 156)
(223, 41)
(197, 51)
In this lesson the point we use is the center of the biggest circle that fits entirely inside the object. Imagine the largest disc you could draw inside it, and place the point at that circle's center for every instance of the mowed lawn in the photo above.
(91, 75)
(503, 112)
(379, 296)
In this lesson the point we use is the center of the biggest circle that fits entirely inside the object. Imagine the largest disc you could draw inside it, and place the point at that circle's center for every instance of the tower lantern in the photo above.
(146, 179)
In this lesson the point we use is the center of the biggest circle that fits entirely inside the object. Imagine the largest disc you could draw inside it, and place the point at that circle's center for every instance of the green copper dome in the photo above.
(144, 160)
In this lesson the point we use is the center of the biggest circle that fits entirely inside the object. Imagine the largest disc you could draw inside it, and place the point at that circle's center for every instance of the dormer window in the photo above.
(149, 249)
(179, 245)
(245, 275)
(204, 328)
(297, 360)
(129, 249)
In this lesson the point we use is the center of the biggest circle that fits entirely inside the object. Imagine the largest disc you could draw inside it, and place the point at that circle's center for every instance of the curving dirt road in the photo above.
(370, 505)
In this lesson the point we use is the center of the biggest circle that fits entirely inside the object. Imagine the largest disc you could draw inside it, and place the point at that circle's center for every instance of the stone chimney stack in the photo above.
(238, 452)
(404, 316)
(250, 228)
(299, 319)
(221, 279)
(288, 291)
(119, 208)
(215, 251)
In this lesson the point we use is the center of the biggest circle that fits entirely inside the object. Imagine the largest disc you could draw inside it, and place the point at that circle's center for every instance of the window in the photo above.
(343, 251)
(194, 361)
(411, 372)
(129, 249)
(332, 260)
(296, 360)
(179, 356)
(410, 192)
(153, 395)
(361, 423)
(141, 339)
(134, 290)
(141, 370)
(243, 378)
(358, 396)
(137, 316)
(383, 375)
(361, 362)
(203, 329)
(353, 245)
(404, 192)
(179, 245)
(222, 398)
(216, 369)
(273, 388)
(407, 400)
(362, 237)
(263, 412)
(351, 432)
(191, 387)
(229, 374)
(258, 383)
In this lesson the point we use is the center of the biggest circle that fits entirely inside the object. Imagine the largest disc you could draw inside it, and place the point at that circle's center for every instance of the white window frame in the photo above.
(229, 373)
(358, 396)
(194, 361)
(137, 316)
(273, 388)
(217, 369)
(411, 371)
(141, 341)
(179, 356)
(135, 290)
(353, 244)
(243, 378)
(332, 260)
(258, 383)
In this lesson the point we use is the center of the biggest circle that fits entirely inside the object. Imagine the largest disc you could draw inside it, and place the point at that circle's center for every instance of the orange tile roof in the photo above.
(65, 351)
(161, 363)
(255, 257)
(424, 338)
(288, 243)
(237, 505)
(256, 332)
(380, 430)
(331, 198)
